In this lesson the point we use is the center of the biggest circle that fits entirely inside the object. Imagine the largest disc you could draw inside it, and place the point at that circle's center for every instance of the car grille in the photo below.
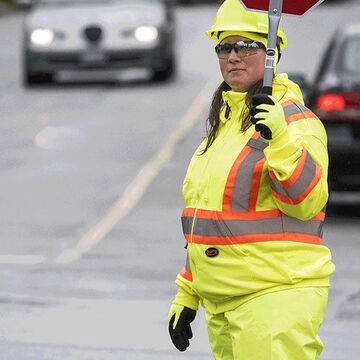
(76, 58)
(93, 33)
(62, 60)
(124, 57)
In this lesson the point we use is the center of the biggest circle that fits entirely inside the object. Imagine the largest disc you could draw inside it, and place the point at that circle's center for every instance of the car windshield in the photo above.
(351, 56)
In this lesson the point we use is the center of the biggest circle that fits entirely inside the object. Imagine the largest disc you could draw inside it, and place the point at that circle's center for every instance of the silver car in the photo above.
(98, 34)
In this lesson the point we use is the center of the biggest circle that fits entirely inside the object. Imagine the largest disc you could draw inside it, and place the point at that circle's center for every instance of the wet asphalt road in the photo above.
(69, 152)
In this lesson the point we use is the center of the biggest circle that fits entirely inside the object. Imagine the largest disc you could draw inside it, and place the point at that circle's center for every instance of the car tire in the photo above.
(37, 78)
(34, 78)
(166, 73)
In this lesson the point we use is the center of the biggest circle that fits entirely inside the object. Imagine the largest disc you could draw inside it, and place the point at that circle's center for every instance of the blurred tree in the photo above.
(7, 3)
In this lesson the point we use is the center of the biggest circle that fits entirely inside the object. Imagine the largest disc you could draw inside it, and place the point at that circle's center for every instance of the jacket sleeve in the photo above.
(298, 164)
(186, 295)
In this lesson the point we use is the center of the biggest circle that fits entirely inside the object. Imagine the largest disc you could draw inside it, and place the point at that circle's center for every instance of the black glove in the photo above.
(259, 99)
(182, 333)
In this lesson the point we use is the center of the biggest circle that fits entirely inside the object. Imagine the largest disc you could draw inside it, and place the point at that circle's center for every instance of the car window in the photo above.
(324, 66)
(351, 56)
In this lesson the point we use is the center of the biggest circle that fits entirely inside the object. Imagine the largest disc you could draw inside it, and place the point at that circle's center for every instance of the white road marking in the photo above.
(137, 188)
(21, 259)
(55, 137)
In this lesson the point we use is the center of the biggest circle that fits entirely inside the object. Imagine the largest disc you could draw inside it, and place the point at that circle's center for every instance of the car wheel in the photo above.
(37, 78)
(34, 78)
(166, 73)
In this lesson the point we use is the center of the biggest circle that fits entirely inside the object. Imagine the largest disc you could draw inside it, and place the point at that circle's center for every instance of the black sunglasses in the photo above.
(242, 48)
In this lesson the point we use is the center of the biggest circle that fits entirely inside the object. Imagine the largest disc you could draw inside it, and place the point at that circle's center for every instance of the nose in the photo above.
(233, 57)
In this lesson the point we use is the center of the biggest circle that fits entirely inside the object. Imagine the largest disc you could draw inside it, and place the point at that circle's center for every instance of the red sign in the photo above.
(292, 7)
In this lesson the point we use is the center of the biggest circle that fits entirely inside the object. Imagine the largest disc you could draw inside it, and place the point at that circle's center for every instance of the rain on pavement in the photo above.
(70, 152)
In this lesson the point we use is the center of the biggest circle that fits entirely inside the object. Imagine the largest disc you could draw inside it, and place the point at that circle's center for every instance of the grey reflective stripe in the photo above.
(301, 184)
(186, 222)
(235, 227)
(258, 144)
(275, 225)
(242, 185)
(294, 109)
(308, 227)
(187, 266)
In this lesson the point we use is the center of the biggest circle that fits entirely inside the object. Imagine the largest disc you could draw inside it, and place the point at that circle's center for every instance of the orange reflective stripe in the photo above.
(186, 274)
(225, 215)
(187, 237)
(297, 172)
(188, 212)
(287, 103)
(319, 216)
(293, 106)
(231, 178)
(246, 239)
(303, 115)
(301, 197)
(303, 177)
(295, 111)
(241, 187)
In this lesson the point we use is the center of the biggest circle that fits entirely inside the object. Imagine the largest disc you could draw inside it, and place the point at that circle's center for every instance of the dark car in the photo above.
(98, 34)
(335, 98)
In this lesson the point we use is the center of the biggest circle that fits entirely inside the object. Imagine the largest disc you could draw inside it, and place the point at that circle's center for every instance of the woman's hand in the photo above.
(179, 319)
(268, 116)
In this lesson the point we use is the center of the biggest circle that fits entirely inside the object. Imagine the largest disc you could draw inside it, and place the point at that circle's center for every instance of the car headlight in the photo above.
(42, 37)
(146, 33)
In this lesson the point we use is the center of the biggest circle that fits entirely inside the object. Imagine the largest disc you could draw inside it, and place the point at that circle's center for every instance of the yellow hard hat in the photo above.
(233, 17)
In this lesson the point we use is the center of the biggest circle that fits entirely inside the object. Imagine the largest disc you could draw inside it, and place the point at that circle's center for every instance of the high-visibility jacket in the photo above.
(255, 209)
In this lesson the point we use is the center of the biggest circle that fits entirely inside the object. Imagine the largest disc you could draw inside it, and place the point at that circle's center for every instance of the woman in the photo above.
(255, 205)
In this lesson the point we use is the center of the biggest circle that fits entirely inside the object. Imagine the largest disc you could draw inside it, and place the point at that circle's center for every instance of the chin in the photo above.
(239, 88)
(238, 85)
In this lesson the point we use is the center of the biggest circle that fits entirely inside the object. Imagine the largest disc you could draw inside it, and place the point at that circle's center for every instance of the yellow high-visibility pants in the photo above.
(281, 325)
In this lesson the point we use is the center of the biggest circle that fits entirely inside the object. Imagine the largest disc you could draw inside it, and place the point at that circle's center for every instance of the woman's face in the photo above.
(241, 72)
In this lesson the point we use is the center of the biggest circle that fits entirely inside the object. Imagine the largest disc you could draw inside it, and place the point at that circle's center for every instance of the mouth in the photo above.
(235, 70)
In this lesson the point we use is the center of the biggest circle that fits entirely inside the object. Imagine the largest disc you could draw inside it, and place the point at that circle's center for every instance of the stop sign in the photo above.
(292, 7)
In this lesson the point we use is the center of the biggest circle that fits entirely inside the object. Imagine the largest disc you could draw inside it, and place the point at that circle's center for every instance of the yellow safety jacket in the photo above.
(255, 209)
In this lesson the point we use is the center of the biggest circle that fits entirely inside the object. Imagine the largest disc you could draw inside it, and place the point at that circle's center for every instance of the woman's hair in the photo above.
(217, 105)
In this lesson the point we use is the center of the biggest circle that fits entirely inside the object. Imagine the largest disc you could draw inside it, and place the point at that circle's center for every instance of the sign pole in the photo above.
(275, 11)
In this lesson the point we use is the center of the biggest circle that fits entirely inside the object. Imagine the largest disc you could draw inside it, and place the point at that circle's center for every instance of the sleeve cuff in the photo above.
(186, 296)
(281, 140)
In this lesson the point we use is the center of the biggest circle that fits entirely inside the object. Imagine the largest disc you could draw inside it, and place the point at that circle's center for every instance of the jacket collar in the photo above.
(234, 101)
